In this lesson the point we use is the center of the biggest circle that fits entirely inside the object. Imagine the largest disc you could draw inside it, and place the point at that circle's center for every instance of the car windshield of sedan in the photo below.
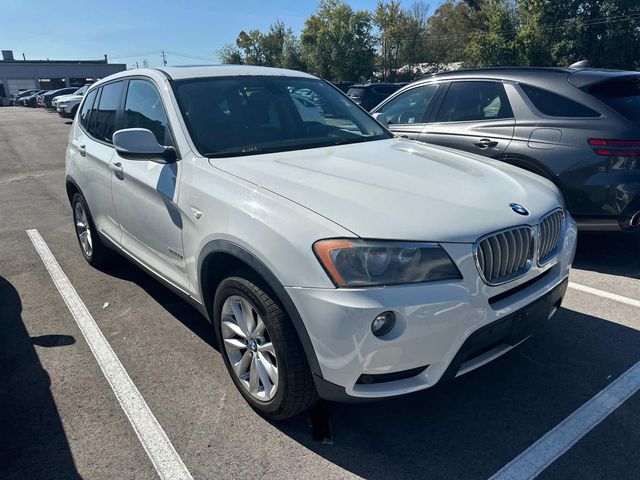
(250, 115)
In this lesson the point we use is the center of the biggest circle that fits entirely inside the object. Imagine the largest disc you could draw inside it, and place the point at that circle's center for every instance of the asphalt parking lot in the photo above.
(61, 418)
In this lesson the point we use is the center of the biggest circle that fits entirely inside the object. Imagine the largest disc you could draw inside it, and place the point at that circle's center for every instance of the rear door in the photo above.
(93, 145)
(405, 114)
(474, 116)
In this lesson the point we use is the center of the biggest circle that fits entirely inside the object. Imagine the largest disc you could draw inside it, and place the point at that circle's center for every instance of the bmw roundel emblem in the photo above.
(519, 209)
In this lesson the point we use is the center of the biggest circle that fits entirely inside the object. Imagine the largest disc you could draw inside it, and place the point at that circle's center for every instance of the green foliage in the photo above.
(279, 47)
(337, 42)
(402, 34)
(340, 43)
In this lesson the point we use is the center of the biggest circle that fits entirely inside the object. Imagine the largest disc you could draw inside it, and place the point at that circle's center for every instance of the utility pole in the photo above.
(164, 59)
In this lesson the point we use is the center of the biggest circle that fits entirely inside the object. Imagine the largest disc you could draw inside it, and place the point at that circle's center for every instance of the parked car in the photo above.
(47, 98)
(21, 94)
(68, 106)
(369, 95)
(344, 86)
(30, 100)
(333, 259)
(580, 128)
(79, 91)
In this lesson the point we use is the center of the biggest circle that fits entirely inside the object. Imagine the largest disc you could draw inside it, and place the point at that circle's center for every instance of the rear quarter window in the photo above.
(555, 105)
(622, 95)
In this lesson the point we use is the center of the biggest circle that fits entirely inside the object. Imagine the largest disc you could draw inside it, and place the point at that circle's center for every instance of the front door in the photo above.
(474, 116)
(405, 113)
(145, 192)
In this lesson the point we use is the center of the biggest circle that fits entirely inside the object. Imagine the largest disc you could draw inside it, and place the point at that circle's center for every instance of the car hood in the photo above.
(70, 98)
(401, 189)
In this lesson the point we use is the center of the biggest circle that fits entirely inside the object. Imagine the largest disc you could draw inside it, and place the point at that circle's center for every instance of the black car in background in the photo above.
(368, 95)
(578, 127)
(20, 95)
(48, 97)
(30, 100)
(343, 86)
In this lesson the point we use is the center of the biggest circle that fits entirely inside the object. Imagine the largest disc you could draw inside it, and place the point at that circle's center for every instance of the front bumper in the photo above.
(434, 323)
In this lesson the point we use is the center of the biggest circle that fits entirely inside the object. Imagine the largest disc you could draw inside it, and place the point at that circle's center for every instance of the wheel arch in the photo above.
(72, 188)
(532, 165)
(218, 258)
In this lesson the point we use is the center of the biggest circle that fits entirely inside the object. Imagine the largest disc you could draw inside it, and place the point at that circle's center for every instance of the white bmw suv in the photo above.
(332, 258)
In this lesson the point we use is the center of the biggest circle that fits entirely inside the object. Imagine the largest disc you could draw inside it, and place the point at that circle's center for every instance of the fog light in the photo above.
(383, 323)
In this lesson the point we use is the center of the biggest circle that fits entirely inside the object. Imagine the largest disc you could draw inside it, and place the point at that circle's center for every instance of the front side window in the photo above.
(249, 115)
(469, 101)
(409, 107)
(143, 109)
(556, 105)
(86, 108)
(103, 119)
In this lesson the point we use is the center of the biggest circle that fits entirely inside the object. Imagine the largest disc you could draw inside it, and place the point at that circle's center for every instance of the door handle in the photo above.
(117, 168)
(83, 150)
(485, 143)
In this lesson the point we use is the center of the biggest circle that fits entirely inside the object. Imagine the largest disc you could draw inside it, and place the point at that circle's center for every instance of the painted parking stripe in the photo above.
(603, 294)
(561, 438)
(164, 457)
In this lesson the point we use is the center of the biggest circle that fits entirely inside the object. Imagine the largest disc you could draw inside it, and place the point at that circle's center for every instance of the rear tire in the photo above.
(258, 342)
(96, 253)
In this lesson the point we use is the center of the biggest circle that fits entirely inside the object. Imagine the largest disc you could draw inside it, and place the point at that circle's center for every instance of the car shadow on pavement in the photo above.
(474, 425)
(33, 443)
(614, 253)
(179, 308)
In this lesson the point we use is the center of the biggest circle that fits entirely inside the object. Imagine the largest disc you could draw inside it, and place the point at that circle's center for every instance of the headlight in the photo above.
(365, 263)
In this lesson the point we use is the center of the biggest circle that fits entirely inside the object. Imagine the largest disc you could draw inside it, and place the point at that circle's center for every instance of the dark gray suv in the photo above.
(578, 127)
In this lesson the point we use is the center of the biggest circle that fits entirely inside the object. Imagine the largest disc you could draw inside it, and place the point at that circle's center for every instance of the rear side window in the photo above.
(622, 95)
(103, 120)
(556, 105)
(144, 109)
(86, 109)
(469, 101)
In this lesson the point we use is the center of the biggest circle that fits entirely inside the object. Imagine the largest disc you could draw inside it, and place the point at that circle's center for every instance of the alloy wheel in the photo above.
(249, 348)
(82, 229)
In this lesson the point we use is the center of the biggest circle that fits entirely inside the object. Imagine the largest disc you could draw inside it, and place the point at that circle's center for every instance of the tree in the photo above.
(230, 54)
(449, 29)
(402, 33)
(279, 47)
(337, 42)
(606, 32)
(494, 44)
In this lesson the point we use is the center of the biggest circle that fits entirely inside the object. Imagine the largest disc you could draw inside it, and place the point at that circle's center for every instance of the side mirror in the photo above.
(141, 144)
(379, 116)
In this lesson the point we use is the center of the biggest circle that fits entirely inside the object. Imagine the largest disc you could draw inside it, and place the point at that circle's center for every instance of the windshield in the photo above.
(249, 115)
(81, 90)
(622, 95)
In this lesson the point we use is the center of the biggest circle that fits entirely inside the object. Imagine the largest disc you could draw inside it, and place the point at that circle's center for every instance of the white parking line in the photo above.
(603, 294)
(164, 457)
(561, 438)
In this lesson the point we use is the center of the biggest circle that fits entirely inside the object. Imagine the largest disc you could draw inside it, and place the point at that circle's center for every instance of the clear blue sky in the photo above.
(133, 30)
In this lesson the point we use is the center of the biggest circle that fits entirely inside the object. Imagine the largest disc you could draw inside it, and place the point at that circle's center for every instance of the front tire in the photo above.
(261, 349)
(93, 250)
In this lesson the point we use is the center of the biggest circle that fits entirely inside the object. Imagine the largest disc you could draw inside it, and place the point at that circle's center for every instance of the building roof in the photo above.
(54, 62)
